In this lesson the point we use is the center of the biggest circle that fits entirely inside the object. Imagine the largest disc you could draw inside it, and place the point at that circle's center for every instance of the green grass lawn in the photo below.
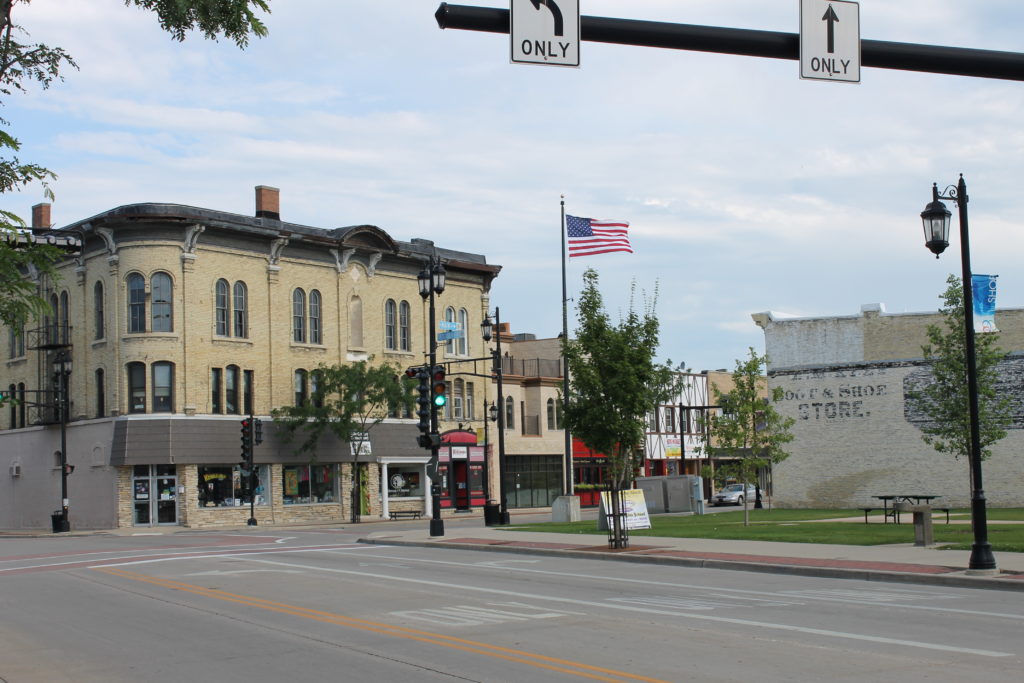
(798, 526)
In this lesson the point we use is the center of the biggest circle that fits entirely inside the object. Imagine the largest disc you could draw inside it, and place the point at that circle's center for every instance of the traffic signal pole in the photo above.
(772, 44)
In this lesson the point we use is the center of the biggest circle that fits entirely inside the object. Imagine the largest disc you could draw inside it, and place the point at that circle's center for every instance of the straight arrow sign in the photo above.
(831, 18)
(830, 40)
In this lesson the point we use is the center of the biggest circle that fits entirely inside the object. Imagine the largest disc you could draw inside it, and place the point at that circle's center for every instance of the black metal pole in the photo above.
(981, 552)
(62, 398)
(569, 478)
(771, 44)
(436, 523)
(252, 471)
(503, 516)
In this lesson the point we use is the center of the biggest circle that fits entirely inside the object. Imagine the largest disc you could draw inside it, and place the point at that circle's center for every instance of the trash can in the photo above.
(57, 519)
(923, 535)
(492, 513)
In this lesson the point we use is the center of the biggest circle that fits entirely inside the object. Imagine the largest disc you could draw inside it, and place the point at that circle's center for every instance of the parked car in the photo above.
(733, 494)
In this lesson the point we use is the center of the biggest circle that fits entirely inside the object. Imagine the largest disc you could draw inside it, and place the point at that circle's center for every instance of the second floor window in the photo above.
(136, 387)
(301, 389)
(299, 316)
(136, 303)
(163, 387)
(241, 310)
(161, 308)
(231, 389)
(221, 309)
(390, 324)
(101, 394)
(510, 413)
(316, 330)
(97, 308)
(404, 338)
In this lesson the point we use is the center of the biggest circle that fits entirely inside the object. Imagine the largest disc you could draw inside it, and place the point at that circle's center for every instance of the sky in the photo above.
(747, 188)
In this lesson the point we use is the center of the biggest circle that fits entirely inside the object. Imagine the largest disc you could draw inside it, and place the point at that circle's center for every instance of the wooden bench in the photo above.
(395, 514)
(866, 511)
(946, 510)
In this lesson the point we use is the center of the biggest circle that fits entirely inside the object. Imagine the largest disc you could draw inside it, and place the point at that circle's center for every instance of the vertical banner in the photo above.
(983, 290)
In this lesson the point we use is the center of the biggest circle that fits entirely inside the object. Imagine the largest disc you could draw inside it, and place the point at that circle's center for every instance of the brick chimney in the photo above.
(268, 202)
(41, 217)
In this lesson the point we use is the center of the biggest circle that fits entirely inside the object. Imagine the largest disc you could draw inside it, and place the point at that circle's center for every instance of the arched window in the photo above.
(136, 303)
(163, 387)
(551, 414)
(458, 398)
(221, 308)
(136, 387)
(300, 387)
(216, 384)
(390, 324)
(355, 322)
(231, 405)
(21, 404)
(315, 380)
(63, 334)
(13, 406)
(161, 308)
(101, 394)
(464, 326)
(299, 316)
(468, 409)
(510, 413)
(241, 310)
(558, 415)
(97, 310)
(449, 316)
(404, 338)
(316, 330)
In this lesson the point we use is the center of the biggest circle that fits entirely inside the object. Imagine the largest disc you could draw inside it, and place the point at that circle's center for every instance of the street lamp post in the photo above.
(61, 372)
(431, 281)
(936, 219)
(487, 331)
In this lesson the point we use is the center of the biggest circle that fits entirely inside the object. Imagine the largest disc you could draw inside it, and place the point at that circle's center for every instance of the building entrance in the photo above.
(155, 495)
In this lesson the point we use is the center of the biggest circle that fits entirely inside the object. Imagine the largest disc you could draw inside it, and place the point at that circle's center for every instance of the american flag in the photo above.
(589, 236)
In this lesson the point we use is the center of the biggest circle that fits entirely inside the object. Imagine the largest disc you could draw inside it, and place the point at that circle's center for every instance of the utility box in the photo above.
(654, 493)
(923, 534)
(565, 509)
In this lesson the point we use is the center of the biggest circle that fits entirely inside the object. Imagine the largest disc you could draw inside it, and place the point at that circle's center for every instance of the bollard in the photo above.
(923, 535)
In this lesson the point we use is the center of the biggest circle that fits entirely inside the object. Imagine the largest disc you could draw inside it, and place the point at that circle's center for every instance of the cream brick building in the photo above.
(179, 321)
(845, 381)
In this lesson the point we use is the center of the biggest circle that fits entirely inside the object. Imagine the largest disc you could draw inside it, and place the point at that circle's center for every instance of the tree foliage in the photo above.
(748, 430)
(944, 399)
(22, 64)
(347, 400)
(615, 381)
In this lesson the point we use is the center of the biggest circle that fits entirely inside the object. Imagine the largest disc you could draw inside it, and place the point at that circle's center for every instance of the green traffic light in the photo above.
(440, 400)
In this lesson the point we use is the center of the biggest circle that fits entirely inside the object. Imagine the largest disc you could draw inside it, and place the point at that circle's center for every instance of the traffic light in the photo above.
(257, 425)
(246, 441)
(422, 404)
(438, 387)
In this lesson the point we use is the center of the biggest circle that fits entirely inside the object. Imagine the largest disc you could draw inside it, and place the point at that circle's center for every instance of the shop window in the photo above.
(229, 486)
(136, 303)
(309, 484)
(405, 481)
(163, 387)
(161, 309)
(136, 387)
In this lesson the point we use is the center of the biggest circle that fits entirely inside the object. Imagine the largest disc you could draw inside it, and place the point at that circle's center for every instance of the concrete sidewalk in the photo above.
(901, 563)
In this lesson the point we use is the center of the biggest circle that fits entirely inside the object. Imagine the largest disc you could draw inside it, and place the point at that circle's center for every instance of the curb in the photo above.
(948, 580)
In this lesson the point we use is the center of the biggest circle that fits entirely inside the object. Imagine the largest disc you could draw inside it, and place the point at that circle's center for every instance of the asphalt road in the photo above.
(314, 605)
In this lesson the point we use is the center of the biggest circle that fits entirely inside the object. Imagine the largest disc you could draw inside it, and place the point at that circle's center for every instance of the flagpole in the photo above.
(567, 480)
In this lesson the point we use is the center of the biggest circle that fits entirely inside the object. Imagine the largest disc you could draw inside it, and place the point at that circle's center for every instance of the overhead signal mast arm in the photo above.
(880, 54)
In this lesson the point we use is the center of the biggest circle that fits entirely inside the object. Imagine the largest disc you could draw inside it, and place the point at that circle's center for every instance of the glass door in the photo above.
(155, 494)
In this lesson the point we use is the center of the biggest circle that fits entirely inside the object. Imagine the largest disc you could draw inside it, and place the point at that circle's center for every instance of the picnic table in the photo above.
(894, 512)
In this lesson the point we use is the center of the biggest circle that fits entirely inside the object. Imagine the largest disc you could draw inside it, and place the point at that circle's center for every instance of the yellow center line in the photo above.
(498, 652)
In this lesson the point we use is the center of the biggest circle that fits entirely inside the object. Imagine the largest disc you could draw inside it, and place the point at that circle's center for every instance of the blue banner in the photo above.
(983, 289)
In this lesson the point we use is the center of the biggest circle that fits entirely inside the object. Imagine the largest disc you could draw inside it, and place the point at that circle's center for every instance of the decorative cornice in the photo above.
(108, 237)
(276, 247)
(192, 237)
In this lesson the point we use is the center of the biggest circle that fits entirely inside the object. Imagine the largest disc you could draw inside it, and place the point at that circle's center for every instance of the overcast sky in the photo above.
(748, 189)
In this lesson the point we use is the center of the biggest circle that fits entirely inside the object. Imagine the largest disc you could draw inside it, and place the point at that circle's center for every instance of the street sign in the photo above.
(545, 32)
(830, 40)
(447, 325)
(451, 334)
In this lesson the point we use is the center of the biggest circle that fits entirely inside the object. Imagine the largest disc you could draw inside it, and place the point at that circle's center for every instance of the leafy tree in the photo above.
(22, 64)
(944, 399)
(347, 401)
(749, 430)
(615, 383)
